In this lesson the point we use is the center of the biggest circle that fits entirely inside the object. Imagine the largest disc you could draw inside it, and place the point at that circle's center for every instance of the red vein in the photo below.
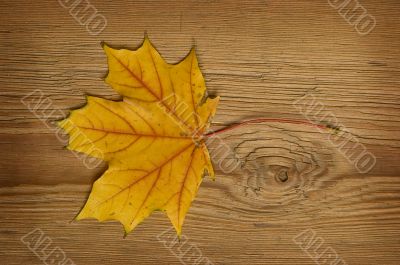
(264, 120)
(147, 174)
(136, 77)
(143, 119)
(184, 182)
(93, 142)
(128, 86)
(134, 133)
(124, 148)
(116, 114)
(158, 75)
(153, 93)
(147, 195)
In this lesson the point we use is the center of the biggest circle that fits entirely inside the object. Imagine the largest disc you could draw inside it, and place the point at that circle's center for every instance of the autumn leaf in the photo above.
(152, 140)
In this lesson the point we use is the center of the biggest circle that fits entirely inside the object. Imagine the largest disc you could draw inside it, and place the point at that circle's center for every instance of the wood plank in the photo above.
(260, 57)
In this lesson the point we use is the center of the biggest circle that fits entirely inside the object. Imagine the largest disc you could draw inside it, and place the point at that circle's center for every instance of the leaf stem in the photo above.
(235, 125)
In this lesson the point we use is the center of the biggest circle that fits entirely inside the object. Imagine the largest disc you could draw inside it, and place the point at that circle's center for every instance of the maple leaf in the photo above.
(152, 139)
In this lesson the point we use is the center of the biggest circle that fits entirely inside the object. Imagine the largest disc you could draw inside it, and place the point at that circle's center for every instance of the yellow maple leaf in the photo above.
(152, 139)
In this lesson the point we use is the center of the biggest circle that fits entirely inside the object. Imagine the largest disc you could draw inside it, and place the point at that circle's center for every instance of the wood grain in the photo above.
(259, 56)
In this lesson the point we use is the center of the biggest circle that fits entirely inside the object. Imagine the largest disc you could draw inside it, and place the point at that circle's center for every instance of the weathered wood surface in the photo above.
(260, 57)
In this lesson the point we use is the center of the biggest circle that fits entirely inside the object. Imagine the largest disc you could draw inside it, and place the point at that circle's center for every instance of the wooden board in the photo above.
(260, 57)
